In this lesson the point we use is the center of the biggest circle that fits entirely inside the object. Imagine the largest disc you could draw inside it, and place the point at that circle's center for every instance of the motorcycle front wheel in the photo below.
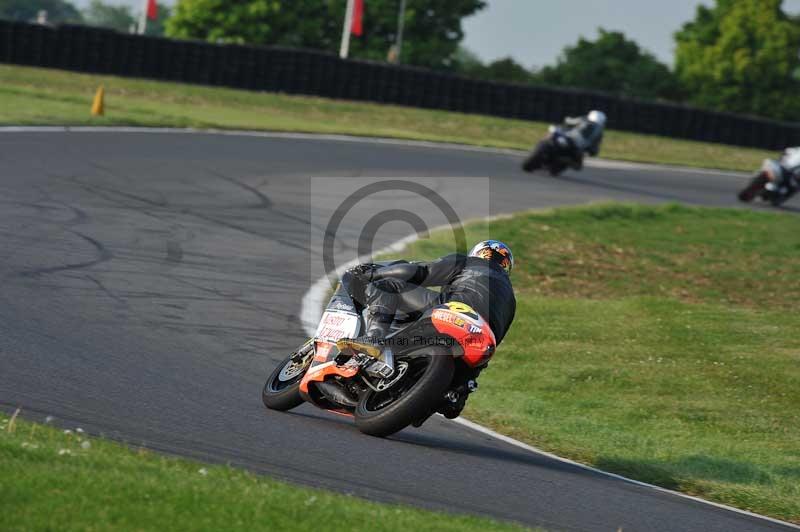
(417, 393)
(282, 389)
(535, 160)
(752, 189)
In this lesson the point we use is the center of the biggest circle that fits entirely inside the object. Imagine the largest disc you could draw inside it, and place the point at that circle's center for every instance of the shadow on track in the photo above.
(500, 451)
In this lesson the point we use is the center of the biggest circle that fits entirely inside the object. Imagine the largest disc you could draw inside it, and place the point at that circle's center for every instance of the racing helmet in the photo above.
(598, 117)
(495, 251)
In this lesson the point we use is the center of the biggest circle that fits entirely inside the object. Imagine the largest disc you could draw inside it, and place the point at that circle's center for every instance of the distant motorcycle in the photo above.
(555, 153)
(772, 184)
(404, 382)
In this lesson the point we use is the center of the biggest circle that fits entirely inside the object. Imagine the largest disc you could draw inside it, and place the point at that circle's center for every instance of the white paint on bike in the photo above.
(335, 325)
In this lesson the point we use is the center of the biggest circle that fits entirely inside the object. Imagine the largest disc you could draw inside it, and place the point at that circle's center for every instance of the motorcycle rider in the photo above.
(787, 174)
(479, 279)
(585, 134)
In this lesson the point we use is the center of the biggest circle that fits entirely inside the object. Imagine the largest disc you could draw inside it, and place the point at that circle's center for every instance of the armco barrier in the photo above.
(297, 71)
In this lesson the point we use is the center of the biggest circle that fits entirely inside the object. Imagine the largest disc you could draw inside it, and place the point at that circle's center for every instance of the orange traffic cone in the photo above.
(99, 106)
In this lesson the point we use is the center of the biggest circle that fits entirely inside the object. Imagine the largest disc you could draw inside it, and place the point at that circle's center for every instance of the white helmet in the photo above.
(598, 117)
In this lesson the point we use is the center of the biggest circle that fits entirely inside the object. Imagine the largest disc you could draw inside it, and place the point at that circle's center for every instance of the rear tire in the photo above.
(283, 394)
(556, 169)
(778, 199)
(423, 397)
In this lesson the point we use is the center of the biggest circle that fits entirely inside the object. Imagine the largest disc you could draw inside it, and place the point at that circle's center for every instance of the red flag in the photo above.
(357, 28)
(152, 9)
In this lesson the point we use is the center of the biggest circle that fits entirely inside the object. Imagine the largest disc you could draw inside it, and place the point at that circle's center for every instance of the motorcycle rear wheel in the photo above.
(420, 391)
(556, 169)
(282, 390)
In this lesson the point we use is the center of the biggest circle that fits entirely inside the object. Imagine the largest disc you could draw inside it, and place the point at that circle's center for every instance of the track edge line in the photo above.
(311, 312)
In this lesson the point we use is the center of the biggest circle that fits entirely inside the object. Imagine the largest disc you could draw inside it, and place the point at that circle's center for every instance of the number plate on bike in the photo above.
(337, 325)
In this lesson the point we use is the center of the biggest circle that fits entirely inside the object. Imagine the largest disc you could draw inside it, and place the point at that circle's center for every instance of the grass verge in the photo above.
(63, 480)
(655, 342)
(33, 96)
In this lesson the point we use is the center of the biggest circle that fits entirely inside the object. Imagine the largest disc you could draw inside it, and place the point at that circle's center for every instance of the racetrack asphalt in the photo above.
(150, 281)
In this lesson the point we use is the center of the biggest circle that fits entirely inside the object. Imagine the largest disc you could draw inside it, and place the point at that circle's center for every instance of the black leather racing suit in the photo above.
(480, 283)
(585, 137)
(585, 134)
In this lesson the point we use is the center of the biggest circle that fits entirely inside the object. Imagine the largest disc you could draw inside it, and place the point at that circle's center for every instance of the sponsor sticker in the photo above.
(337, 325)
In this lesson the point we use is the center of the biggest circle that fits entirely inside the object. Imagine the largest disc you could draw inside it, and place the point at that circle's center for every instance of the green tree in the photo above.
(120, 18)
(741, 56)
(58, 11)
(432, 27)
(506, 69)
(432, 32)
(467, 62)
(614, 64)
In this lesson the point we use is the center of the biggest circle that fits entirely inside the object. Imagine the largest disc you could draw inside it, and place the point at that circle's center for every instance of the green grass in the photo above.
(32, 96)
(52, 480)
(657, 342)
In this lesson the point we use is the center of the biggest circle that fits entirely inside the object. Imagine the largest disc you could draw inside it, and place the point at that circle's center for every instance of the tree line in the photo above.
(97, 13)
(737, 55)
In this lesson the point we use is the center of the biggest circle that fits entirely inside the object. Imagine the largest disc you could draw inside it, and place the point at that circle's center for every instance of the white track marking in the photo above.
(516, 443)
(314, 299)
(590, 163)
(311, 311)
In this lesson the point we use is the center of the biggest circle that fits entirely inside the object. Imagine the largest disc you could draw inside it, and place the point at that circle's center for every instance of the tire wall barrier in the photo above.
(299, 71)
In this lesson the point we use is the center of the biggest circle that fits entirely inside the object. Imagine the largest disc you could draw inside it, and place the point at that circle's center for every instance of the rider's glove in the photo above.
(391, 285)
(363, 272)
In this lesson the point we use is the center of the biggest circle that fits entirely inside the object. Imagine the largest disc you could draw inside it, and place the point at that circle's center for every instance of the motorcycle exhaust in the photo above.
(334, 392)
(382, 369)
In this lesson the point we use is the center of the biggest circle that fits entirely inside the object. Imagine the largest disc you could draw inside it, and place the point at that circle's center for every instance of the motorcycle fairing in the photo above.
(440, 325)
(334, 325)
(460, 322)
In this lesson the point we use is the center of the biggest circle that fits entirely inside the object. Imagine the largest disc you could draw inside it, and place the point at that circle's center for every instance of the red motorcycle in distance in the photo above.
(403, 382)
(774, 183)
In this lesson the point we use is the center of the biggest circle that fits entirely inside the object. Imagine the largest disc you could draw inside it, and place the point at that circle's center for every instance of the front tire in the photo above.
(421, 392)
(755, 186)
(532, 163)
(282, 390)
(536, 159)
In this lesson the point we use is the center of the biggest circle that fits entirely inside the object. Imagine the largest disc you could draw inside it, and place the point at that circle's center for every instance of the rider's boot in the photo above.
(456, 398)
(377, 327)
(372, 343)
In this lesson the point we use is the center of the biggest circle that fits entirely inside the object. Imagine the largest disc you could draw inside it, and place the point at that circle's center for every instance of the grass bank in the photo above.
(33, 96)
(53, 479)
(656, 342)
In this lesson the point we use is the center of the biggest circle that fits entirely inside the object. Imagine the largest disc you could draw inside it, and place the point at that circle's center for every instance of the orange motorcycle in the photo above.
(418, 368)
